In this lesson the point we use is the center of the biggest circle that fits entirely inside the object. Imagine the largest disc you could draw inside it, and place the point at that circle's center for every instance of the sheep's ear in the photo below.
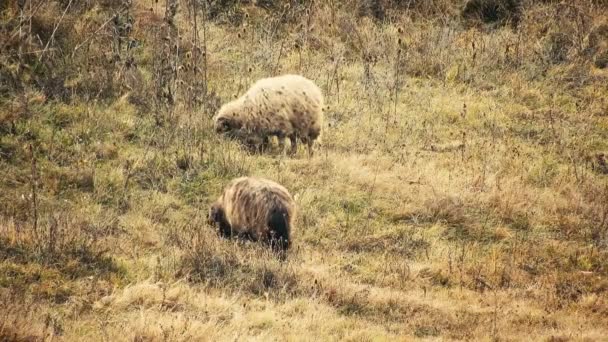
(223, 123)
(226, 124)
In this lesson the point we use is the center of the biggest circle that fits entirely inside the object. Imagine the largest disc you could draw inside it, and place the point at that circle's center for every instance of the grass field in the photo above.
(459, 191)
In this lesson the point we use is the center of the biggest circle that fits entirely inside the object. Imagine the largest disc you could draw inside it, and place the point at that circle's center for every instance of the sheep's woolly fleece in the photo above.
(254, 207)
(286, 106)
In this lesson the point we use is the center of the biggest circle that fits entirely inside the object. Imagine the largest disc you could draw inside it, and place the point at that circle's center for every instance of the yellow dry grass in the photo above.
(468, 207)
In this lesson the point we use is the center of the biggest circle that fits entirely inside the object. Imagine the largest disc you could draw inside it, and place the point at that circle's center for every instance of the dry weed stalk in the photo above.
(333, 76)
(34, 194)
(397, 82)
(165, 65)
(197, 84)
(54, 30)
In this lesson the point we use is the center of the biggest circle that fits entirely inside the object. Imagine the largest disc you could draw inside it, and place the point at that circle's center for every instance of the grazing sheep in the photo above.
(288, 106)
(257, 209)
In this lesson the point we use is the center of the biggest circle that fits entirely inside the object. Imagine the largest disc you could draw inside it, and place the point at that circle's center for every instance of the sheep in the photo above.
(288, 106)
(256, 209)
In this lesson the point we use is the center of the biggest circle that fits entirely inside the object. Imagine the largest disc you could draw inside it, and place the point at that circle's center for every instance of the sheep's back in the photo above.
(248, 202)
(288, 97)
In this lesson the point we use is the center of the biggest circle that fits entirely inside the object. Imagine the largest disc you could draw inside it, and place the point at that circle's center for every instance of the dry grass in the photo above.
(459, 191)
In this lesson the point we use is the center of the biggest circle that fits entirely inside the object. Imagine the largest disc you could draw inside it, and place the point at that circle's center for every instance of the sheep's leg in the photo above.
(252, 144)
(294, 144)
(265, 144)
(281, 143)
(311, 152)
(309, 142)
(246, 236)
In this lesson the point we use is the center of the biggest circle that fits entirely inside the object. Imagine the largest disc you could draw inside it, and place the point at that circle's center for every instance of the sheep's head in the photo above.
(227, 120)
(216, 214)
(224, 125)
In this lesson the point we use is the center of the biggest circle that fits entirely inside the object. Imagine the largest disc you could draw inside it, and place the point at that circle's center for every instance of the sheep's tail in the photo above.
(278, 223)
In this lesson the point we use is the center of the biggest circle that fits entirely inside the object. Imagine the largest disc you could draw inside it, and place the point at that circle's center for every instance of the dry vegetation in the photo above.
(460, 192)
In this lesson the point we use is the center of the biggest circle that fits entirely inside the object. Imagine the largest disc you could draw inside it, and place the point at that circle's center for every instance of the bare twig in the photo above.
(204, 18)
(34, 184)
(30, 15)
(91, 36)
(55, 30)
(195, 54)
(26, 53)
(276, 67)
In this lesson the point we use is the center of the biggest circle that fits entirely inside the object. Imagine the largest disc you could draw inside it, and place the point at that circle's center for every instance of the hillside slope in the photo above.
(460, 190)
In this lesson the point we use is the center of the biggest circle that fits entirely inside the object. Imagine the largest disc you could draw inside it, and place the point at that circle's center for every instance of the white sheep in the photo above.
(288, 106)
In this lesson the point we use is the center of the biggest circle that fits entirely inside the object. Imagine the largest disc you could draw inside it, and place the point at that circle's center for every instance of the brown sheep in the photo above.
(257, 209)
(288, 106)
